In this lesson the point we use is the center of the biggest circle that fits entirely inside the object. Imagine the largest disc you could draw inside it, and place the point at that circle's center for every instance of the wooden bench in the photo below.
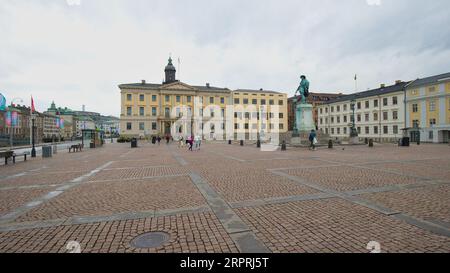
(6, 155)
(76, 148)
(24, 157)
(9, 154)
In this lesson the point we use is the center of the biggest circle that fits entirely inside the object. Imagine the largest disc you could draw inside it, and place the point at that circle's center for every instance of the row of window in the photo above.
(211, 100)
(255, 101)
(141, 126)
(236, 126)
(212, 113)
(263, 95)
(256, 115)
(177, 98)
(430, 90)
(255, 126)
(431, 106)
(359, 104)
(367, 130)
(416, 123)
(346, 119)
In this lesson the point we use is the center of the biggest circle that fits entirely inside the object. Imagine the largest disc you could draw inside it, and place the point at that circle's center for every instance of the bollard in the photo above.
(371, 143)
(330, 144)
(242, 143)
(258, 143)
(283, 146)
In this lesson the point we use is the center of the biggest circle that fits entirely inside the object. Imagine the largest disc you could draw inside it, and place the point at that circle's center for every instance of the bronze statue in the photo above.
(303, 89)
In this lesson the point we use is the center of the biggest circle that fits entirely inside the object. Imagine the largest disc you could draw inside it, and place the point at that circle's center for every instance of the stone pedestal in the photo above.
(304, 118)
(353, 140)
(296, 141)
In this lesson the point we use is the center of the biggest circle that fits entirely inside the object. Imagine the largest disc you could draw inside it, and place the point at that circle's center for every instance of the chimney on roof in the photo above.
(143, 82)
(382, 85)
(398, 81)
(207, 84)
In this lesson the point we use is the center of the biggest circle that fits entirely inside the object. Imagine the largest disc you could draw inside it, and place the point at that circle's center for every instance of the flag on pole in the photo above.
(2, 103)
(32, 106)
(8, 118)
(14, 119)
(179, 68)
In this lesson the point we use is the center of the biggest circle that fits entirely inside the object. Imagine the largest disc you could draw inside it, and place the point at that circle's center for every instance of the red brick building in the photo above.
(315, 99)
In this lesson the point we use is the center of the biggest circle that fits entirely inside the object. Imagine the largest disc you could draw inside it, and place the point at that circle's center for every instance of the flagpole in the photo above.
(33, 148)
(179, 69)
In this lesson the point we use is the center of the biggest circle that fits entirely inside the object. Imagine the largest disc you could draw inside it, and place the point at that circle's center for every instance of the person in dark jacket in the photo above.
(312, 140)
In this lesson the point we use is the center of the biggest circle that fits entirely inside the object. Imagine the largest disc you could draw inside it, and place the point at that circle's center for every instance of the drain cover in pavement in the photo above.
(150, 240)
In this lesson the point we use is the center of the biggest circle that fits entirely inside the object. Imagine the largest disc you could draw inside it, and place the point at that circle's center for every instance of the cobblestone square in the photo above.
(227, 198)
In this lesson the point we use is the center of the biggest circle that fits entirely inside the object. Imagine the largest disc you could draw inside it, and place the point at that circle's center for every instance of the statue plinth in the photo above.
(304, 118)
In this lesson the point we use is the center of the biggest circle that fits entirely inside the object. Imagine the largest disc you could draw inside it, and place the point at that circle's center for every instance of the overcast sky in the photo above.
(78, 54)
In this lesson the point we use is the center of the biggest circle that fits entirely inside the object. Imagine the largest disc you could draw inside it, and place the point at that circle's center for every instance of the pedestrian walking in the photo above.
(313, 140)
(159, 140)
(180, 142)
(190, 142)
(198, 142)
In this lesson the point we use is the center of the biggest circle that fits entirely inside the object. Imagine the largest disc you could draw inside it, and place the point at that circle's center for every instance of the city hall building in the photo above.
(179, 109)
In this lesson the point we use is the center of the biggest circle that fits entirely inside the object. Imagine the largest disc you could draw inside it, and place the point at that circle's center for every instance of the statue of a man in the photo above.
(303, 89)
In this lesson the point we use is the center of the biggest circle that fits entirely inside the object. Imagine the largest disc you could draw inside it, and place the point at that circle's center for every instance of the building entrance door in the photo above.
(415, 136)
(445, 136)
(167, 128)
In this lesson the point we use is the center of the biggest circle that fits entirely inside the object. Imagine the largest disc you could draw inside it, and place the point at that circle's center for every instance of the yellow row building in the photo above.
(427, 106)
(178, 109)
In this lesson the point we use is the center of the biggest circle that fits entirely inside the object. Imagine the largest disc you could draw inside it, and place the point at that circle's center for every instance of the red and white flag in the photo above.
(32, 105)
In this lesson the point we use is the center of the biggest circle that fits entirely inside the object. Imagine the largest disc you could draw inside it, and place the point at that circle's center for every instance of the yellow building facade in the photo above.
(178, 109)
(428, 109)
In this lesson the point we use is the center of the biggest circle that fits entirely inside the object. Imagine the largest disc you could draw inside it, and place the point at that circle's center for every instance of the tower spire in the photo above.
(170, 71)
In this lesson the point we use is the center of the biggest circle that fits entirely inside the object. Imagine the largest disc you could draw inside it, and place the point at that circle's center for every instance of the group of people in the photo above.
(193, 143)
(158, 139)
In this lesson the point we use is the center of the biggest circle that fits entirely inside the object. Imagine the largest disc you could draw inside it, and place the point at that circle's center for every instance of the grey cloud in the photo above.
(78, 54)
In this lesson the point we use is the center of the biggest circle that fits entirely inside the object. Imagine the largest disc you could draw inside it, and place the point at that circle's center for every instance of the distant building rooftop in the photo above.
(430, 80)
(201, 88)
(370, 93)
(257, 91)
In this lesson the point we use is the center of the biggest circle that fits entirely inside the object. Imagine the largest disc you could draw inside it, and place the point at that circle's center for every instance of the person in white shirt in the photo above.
(198, 142)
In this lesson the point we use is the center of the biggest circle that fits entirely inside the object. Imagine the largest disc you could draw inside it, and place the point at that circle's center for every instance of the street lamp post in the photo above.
(111, 133)
(11, 127)
(353, 131)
